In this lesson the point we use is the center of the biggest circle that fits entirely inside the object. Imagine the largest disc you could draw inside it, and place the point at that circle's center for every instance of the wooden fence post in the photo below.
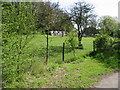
(94, 46)
(63, 51)
(47, 49)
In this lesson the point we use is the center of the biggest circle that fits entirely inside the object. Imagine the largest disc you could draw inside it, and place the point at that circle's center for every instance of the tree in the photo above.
(108, 25)
(17, 28)
(91, 30)
(81, 14)
(51, 13)
(63, 22)
(118, 31)
(46, 15)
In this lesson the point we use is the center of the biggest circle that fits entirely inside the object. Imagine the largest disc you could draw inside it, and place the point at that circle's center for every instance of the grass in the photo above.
(82, 74)
(38, 45)
(77, 71)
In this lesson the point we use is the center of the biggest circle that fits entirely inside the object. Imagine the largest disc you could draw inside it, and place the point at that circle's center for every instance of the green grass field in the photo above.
(77, 71)
(38, 44)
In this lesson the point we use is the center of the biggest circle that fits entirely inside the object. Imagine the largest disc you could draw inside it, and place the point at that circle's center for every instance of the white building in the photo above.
(58, 33)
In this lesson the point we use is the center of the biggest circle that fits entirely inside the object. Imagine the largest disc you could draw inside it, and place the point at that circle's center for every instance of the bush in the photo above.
(116, 45)
(103, 42)
(17, 30)
(71, 42)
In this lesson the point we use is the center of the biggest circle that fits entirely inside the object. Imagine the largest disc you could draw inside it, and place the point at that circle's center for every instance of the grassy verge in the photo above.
(76, 72)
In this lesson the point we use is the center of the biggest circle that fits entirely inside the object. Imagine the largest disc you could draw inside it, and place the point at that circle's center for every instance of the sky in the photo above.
(102, 7)
(119, 12)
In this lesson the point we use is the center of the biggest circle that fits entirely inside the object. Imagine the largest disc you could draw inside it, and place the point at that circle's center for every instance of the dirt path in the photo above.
(108, 81)
(56, 79)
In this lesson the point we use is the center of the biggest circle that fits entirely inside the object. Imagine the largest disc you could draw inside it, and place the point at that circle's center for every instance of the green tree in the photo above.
(46, 15)
(52, 14)
(17, 28)
(91, 29)
(63, 22)
(108, 25)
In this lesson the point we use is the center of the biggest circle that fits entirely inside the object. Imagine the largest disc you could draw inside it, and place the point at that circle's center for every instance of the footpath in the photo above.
(109, 81)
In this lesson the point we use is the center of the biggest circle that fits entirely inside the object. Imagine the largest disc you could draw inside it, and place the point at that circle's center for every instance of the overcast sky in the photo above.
(102, 7)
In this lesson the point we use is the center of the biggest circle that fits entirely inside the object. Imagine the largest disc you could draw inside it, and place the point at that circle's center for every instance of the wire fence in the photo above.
(58, 51)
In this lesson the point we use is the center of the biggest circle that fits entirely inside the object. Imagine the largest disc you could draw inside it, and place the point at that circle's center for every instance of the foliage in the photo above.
(108, 25)
(117, 33)
(90, 31)
(17, 28)
(71, 42)
(44, 14)
(64, 23)
(103, 42)
(51, 17)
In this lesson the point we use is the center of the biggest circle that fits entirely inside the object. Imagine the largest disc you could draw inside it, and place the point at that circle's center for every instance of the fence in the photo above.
(57, 50)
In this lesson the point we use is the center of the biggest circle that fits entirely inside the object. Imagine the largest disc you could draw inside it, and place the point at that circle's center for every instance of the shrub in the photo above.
(17, 30)
(71, 42)
(103, 42)
(116, 45)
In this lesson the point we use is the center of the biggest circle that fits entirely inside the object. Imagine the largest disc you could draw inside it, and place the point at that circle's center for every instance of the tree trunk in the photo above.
(79, 37)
